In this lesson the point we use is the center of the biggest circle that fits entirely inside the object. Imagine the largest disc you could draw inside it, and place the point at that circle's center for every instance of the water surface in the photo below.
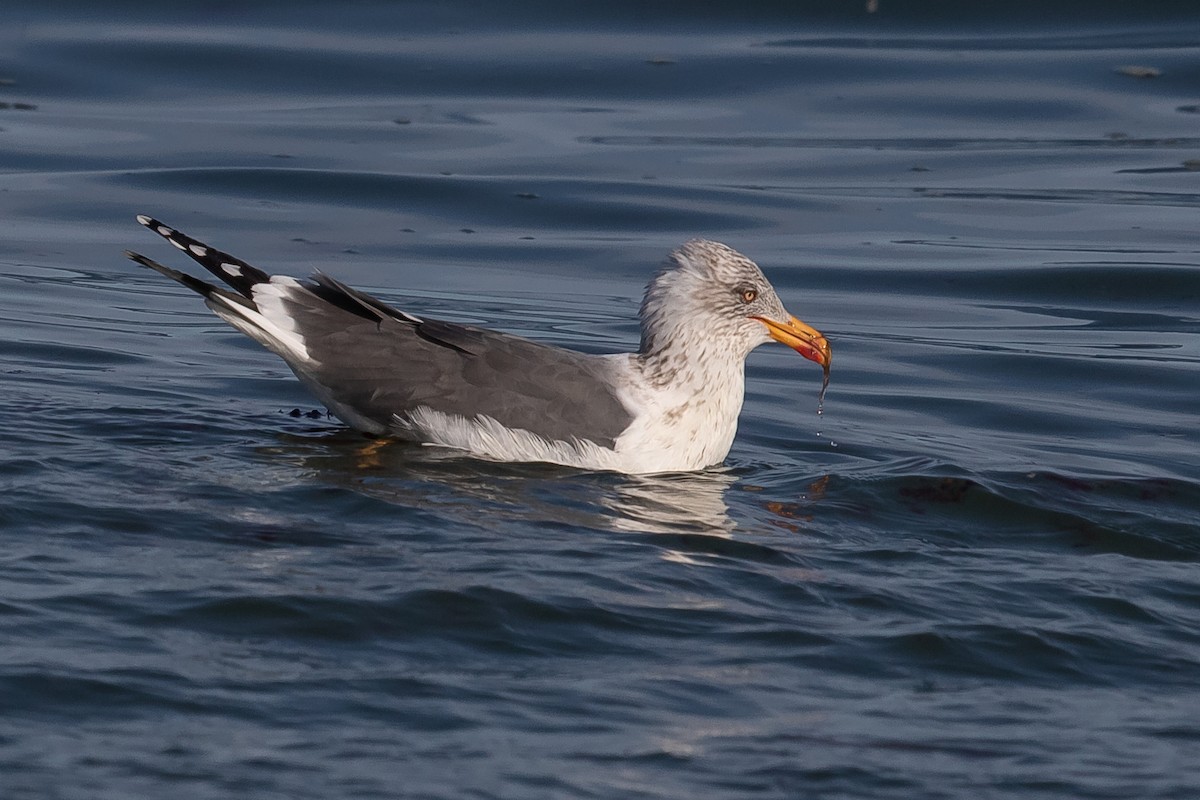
(973, 576)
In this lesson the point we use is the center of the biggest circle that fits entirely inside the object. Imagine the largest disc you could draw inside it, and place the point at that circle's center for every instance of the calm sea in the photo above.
(976, 575)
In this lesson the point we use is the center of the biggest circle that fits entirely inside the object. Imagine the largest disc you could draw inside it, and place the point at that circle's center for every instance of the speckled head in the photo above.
(711, 296)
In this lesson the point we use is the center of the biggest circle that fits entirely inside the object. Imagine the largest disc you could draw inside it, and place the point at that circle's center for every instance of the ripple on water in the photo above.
(989, 582)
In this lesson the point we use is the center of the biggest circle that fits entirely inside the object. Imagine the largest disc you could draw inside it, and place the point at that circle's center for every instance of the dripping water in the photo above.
(821, 395)
(821, 402)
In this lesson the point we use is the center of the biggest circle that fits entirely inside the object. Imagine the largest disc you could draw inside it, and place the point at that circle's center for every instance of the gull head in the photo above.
(710, 298)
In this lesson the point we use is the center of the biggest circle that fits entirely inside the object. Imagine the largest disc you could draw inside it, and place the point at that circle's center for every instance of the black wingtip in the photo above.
(202, 288)
(233, 271)
(152, 264)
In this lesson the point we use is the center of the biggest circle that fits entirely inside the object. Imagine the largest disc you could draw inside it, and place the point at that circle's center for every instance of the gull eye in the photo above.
(748, 295)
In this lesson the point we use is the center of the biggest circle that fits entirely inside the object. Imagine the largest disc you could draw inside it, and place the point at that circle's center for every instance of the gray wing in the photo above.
(380, 361)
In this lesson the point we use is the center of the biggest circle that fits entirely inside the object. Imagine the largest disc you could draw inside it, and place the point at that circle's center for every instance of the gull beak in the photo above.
(804, 339)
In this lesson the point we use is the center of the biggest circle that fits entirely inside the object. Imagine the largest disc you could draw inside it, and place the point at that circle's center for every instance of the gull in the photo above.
(672, 406)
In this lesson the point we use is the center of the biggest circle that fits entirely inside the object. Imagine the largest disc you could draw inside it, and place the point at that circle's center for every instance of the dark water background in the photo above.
(974, 576)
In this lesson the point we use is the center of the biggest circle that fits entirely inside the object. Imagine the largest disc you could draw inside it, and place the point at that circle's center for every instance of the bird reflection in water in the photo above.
(409, 475)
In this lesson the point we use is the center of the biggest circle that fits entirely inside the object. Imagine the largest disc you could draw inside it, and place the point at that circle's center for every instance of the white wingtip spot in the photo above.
(199, 250)
(177, 244)
(163, 230)
(232, 269)
(143, 219)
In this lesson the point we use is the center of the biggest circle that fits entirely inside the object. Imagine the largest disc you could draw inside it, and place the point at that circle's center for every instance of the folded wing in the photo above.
(376, 365)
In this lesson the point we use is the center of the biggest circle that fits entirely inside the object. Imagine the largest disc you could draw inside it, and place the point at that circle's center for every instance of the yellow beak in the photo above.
(804, 339)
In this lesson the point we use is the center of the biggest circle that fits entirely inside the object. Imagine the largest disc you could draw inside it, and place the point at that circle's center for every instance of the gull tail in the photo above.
(257, 305)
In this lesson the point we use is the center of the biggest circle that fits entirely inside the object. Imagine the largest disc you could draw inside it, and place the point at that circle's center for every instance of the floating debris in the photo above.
(1135, 71)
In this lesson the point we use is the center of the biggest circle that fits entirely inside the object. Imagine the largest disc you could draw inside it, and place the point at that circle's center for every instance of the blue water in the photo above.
(975, 575)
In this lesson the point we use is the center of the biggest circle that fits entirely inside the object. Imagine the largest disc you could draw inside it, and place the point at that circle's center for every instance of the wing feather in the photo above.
(394, 366)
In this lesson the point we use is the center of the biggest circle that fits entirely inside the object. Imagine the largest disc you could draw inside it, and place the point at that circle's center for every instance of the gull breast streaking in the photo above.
(672, 406)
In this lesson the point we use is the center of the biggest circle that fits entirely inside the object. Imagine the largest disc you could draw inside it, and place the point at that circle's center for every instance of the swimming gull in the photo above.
(670, 407)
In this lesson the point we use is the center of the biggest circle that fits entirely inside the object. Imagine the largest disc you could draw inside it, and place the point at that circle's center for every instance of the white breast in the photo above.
(687, 425)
